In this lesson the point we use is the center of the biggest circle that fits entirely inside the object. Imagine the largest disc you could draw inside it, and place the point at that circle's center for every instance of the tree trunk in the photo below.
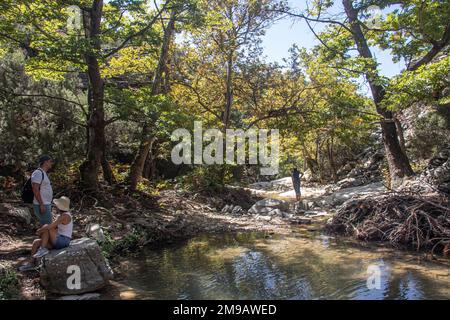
(106, 167)
(309, 162)
(147, 136)
(149, 166)
(401, 136)
(89, 169)
(398, 162)
(228, 93)
(333, 170)
(108, 175)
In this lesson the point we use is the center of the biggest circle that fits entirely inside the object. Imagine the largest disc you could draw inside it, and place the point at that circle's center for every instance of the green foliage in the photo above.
(9, 283)
(411, 29)
(420, 85)
(120, 171)
(123, 245)
(204, 178)
(314, 97)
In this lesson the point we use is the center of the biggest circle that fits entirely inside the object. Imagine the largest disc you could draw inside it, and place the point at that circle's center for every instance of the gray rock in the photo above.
(273, 203)
(265, 218)
(57, 270)
(95, 231)
(314, 214)
(22, 213)
(269, 207)
(236, 210)
(286, 215)
(350, 182)
(276, 212)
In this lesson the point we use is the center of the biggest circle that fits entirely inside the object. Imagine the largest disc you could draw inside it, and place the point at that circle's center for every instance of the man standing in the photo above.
(296, 176)
(42, 190)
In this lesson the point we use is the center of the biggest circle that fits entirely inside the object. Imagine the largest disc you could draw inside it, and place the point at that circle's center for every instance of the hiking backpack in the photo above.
(27, 190)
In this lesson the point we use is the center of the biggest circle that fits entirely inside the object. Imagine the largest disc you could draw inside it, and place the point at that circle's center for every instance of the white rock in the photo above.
(83, 255)
(23, 213)
(95, 231)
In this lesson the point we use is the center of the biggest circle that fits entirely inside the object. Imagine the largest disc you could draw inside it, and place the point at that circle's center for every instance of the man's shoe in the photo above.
(40, 253)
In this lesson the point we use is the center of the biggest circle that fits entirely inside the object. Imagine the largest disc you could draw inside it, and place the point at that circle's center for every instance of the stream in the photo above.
(306, 265)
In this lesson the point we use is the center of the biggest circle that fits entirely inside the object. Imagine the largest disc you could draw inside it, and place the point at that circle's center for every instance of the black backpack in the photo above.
(27, 190)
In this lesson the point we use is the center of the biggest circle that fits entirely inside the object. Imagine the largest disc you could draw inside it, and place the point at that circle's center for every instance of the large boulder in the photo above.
(20, 213)
(269, 207)
(58, 271)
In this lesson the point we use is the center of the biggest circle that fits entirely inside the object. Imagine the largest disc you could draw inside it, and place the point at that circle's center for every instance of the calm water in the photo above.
(251, 266)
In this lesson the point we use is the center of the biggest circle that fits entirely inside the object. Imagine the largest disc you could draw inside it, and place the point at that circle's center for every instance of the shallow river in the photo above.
(303, 266)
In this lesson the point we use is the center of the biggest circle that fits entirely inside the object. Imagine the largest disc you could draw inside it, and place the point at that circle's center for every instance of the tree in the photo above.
(233, 28)
(55, 50)
(399, 166)
(147, 137)
(341, 36)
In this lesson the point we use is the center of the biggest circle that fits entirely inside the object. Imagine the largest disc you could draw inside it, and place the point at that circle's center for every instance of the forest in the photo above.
(166, 123)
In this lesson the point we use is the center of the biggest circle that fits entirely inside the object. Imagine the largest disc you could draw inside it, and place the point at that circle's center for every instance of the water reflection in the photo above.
(250, 266)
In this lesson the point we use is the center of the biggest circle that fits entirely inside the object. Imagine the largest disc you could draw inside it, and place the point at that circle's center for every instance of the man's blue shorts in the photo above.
(45, 218)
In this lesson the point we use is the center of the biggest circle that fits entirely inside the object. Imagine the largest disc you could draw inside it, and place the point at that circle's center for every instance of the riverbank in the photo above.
(131, 222)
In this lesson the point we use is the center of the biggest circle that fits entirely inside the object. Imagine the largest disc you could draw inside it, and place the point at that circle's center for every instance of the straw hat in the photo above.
(62, 203)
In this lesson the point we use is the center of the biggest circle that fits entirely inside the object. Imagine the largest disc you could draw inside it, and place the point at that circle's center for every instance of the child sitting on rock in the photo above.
(56, 235)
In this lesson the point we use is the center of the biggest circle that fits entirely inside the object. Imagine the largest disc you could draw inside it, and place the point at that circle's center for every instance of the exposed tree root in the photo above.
(422, 222)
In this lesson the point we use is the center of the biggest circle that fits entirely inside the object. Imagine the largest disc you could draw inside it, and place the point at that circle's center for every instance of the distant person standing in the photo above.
(296, 176)
(42, 190)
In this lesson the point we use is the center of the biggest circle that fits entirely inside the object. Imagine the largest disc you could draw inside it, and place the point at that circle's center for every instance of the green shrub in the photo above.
(9, 284)
(123, 245)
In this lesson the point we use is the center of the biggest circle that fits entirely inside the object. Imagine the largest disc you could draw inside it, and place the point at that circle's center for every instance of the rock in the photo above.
(273, 203)
(283, 184)
(286, 215)
(308, 176)
(301, 206)
(263, 185)
(342, 195)
(232, 209)
(84, 253)
(265, 218)
(355, 172)
(350, 182)
(266, 206)
(95, 231)
(237, 210)
(22, 213)
(314, 214)
(260, 210)
(276, 212)
(436, 175)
